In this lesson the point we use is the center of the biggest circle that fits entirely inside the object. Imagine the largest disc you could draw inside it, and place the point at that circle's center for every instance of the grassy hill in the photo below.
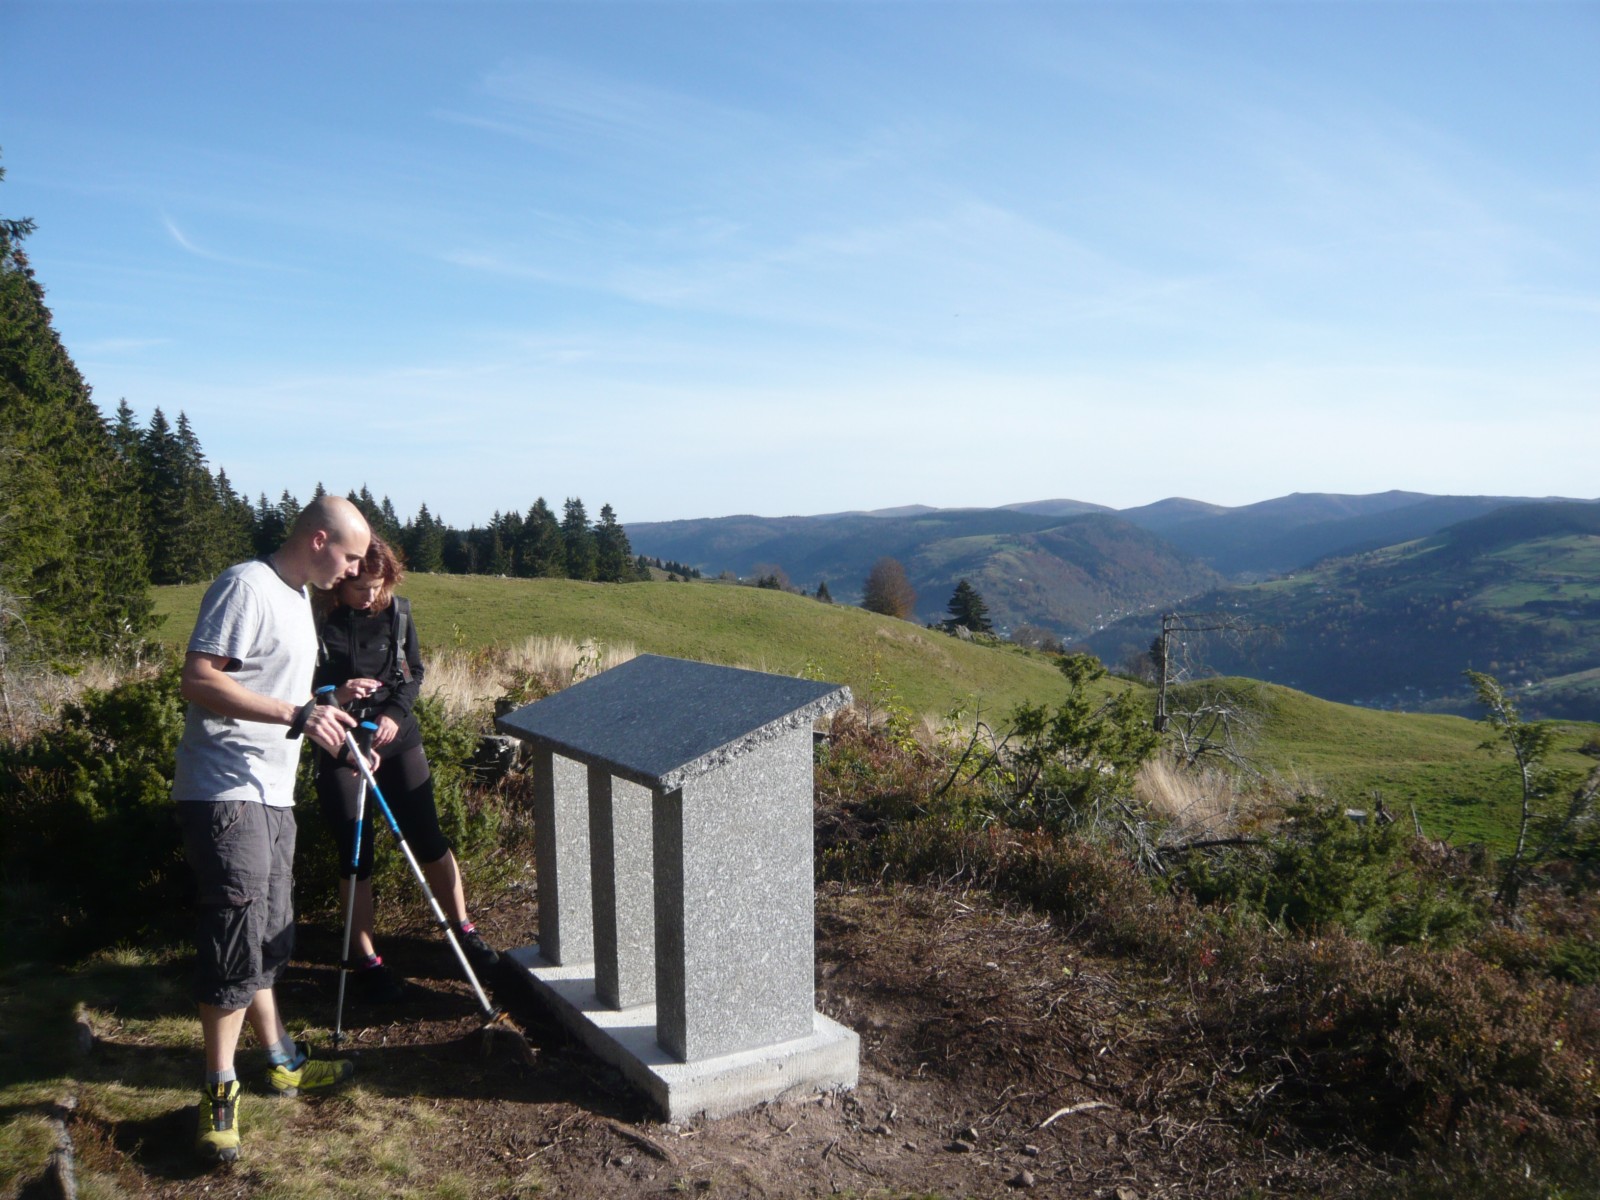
(1434, 762)
(739, 626)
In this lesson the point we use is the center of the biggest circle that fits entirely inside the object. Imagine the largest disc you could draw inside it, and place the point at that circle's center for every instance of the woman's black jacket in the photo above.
(361, 645)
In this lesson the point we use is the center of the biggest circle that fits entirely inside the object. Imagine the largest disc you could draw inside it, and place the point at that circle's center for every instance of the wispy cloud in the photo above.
(227, 260)
(107, 347)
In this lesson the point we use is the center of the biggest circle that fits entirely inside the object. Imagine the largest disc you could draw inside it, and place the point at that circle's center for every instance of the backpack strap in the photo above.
(402, 620)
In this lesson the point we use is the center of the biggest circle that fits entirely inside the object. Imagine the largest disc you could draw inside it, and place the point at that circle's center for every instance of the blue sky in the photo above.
(695, 259)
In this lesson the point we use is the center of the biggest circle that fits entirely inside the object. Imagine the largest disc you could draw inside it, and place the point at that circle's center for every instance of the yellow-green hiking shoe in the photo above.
(312, 1075)
(217, 1139)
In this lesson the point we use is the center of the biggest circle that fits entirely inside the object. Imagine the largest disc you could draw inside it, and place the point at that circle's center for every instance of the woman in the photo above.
(369, 650)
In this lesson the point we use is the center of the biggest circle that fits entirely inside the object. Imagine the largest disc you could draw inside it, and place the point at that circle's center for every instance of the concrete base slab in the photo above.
(828, 1060)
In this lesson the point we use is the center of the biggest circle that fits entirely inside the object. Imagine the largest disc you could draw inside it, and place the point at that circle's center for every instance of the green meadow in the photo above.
(1430, 763)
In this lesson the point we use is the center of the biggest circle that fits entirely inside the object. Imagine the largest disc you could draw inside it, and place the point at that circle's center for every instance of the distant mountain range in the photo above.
(1515, 592)
(1363, 626)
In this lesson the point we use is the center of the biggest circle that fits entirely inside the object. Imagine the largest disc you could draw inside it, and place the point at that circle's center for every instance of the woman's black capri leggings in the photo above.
(407, 785)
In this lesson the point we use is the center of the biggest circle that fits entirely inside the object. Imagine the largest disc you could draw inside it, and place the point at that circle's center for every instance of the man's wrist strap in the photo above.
(302, 714)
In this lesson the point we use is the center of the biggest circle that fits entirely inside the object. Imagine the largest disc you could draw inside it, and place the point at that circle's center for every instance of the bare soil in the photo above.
(997, 1059)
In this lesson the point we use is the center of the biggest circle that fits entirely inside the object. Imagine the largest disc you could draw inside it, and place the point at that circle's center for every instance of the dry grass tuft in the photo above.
(468, 682)
(33, 696)
(1197, 802)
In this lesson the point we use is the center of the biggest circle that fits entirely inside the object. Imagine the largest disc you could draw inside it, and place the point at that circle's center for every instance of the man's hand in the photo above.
(326, 727)
(387, 729)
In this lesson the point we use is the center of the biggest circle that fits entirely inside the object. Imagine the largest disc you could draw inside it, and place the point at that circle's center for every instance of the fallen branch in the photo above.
(63, 1167)
(648, 1144)
(1070, 1111)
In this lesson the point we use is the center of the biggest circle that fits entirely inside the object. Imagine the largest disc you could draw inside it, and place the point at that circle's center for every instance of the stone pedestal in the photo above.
(694, 787)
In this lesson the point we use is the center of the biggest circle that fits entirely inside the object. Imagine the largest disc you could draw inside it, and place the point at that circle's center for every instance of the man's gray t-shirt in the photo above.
(265, 628)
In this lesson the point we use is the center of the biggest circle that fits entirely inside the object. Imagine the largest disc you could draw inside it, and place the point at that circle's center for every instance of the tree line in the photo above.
(192, 523)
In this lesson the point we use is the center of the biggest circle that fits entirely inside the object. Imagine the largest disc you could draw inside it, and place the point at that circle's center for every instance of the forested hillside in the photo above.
(1066, 573)
(1515, 593)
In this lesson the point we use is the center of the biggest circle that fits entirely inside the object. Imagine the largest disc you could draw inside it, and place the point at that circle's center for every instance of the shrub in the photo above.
(87, 809)
(1319, 869)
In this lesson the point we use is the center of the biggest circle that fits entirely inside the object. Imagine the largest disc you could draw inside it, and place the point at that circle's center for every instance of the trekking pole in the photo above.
(363, 741)
(360, 761)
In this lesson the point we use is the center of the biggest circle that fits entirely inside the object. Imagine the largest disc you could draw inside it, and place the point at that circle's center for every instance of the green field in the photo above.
(1461, 792)
(739, 626)
(1435, 763)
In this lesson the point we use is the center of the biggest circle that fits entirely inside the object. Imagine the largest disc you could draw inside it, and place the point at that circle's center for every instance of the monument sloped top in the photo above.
(661, 721)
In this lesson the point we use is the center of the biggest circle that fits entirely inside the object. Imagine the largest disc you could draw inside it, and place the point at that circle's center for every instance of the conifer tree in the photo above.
(236, 540)
(499, 558)
(125, 435)
(269, 528)
(289, 509)
(613, 554)
(541, 553)
(70, 556)
(423, 540)
(459, 553)
(823, 593)
(200, 535)
(967, 610)
(582, 555)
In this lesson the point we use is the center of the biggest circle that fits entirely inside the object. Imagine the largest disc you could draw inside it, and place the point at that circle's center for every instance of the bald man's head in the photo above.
(326, 543)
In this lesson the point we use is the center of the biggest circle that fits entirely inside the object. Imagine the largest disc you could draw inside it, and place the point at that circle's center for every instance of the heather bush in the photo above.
(1315, 868)
(1333, 982)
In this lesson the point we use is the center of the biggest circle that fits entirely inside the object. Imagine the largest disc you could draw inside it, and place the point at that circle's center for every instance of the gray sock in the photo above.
(285, 1054)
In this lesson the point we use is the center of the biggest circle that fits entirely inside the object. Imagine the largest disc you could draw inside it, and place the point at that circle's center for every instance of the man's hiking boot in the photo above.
(479, 953)
(217, 1139)
(379, 985)
(312, 1075)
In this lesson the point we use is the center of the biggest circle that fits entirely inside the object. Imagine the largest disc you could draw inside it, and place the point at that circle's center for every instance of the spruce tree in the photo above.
(388, 522)
(583, 558)
(459, 553)
(288, 509)
(613, 554)
(423, 540)
(540, 552)
(236, 539)
(201, 535)
(70, 553)
(269, 527)
(967, 609)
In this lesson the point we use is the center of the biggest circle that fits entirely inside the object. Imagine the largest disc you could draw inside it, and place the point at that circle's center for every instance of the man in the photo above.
(247, 678)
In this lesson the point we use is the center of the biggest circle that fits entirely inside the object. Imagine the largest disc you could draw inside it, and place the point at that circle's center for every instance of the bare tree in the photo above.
(1176, 656)
(888, 591)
